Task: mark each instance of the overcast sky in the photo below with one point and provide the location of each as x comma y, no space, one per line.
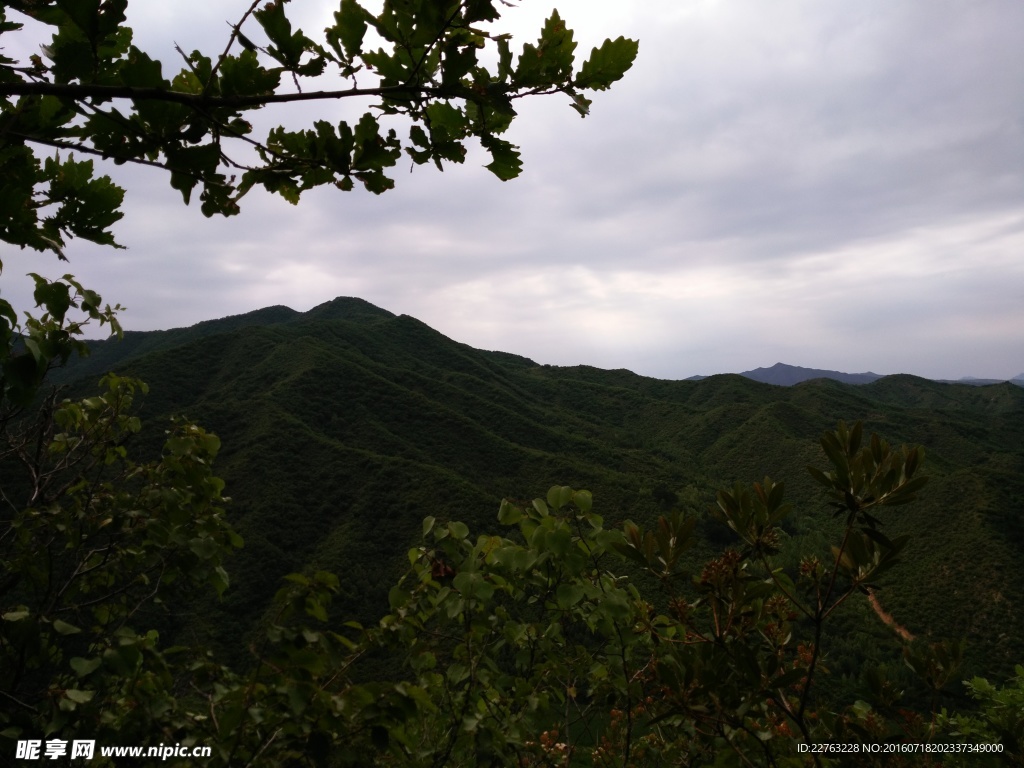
826,183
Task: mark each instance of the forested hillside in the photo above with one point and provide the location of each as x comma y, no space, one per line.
345,426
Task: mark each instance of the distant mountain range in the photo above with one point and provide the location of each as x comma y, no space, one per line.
140,342
785,375
137,343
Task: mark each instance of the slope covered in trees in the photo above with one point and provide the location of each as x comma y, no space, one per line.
344,426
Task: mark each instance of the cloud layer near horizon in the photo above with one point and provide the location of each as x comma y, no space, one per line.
830,184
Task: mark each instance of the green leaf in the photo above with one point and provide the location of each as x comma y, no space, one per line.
79,697
559,541
64,628
397,597
55,296
191,165
298,698
315,608
393,70
372,153
472,584
855,437
509,513
230,717
504,59
123,660
446,121
584,500
220,580
607,64
550,61
205,547
912,486
88,206
287,46
85,667
459,60
567,595
579,102
243,75
821,477
559,496
141,71
350,27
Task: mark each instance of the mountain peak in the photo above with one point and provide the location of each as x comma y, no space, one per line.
346,308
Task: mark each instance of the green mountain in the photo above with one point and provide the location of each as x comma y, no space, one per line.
344,426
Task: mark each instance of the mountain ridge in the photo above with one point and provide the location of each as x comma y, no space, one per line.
354,309
785,375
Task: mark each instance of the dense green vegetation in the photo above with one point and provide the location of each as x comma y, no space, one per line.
344,426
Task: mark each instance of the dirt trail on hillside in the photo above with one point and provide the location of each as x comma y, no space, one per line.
887,618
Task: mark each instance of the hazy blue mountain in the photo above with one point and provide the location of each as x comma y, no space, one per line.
787,375
971,380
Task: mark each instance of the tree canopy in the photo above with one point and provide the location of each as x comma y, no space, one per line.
558,641
433,74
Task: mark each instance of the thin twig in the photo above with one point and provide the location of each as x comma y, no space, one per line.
236,30
105,155
92,91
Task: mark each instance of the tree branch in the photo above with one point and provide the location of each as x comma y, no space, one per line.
69,145
79,92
